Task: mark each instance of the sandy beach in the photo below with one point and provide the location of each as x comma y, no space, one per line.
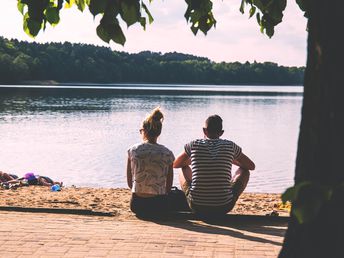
116,200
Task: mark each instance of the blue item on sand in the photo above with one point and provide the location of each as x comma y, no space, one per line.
55,188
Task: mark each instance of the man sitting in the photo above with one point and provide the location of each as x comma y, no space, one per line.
208,185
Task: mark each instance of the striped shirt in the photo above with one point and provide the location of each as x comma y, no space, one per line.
211,164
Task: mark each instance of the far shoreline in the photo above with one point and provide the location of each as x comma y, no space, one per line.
71,83
53,88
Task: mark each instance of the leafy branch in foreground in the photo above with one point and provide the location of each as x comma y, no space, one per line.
37,13
269,15
308,198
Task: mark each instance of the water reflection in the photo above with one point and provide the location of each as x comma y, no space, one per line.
82,139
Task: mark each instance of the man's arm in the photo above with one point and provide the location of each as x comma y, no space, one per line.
244,162
129,175
182,160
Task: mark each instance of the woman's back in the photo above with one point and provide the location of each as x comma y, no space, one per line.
150,163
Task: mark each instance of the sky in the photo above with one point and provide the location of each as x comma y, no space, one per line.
235,38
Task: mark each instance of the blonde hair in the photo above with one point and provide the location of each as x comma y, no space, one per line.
153,123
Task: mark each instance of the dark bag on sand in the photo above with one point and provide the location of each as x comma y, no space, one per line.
176,200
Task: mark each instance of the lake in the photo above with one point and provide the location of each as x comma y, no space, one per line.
79,134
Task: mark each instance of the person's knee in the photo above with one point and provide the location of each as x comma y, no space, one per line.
181,175
241,179
187,173
246,172
243,173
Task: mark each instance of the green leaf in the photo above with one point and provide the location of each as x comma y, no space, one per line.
309,202
261,4
195,16
31,27
109,29
36,10
292,192
69,3
97,6
25,28
252,11
143,22
269,30
289,195
302,4
200,15
276,11
24,1
20,7
242,6
150,17
258,18
60,4
205,23
307,199
103,33
118,35
130,12
52,15
341,186
194,29
81,4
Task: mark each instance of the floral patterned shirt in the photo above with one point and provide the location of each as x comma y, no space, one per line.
149,167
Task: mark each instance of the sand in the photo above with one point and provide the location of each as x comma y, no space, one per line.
116,200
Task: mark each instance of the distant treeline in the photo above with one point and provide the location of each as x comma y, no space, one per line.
65,62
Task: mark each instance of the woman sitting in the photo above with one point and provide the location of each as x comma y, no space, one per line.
149,169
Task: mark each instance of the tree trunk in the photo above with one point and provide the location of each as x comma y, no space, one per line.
321,139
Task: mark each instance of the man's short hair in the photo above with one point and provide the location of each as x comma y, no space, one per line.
213,124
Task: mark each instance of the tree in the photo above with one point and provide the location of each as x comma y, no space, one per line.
86,63
316,227
319,179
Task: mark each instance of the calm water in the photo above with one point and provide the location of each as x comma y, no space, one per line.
81,136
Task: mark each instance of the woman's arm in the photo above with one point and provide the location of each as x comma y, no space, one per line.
129,174
169,180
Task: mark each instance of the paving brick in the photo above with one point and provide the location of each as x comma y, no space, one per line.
58,235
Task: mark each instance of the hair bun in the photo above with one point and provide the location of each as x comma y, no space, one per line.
157,114
153,123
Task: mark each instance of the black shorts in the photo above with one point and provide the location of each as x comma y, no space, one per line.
212,210
149,206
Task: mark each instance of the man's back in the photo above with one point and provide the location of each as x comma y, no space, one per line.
208,184
211,164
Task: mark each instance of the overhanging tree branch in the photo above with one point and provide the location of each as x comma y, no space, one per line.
38,13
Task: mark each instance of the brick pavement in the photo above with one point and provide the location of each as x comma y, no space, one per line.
61,235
